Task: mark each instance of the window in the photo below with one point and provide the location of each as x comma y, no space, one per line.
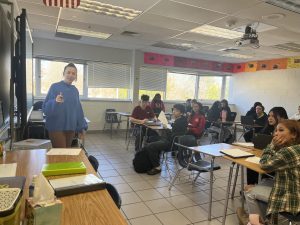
210,87
108,80
180,86
152,81
52,72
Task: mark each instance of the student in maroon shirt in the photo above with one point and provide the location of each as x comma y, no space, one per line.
140,115
157,104
196,121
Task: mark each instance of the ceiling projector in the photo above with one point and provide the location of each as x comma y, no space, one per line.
250,38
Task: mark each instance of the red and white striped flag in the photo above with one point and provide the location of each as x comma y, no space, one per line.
62,3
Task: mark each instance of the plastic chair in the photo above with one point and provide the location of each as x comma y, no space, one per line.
38,105
94,162
114,194
293,219
111,118
186,161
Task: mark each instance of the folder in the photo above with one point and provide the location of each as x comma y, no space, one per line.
63,168
76,184
236,153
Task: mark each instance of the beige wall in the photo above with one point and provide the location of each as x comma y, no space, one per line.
272,88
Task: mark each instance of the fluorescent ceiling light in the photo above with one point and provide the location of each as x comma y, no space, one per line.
87,33
234,55
108,9
291,5
217,32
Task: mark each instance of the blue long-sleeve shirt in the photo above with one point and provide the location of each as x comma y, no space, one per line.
65,116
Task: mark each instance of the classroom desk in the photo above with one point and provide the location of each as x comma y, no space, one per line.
236,124
213,151
127,115
91,208
243,163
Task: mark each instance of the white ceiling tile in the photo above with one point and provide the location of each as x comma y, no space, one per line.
231,22
289,22
184,12
92,18
223,6
133,4
166,22
38,9
41,19
86,26
149,29
199,37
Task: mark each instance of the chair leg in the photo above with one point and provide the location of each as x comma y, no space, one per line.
194,181
235,180
174,179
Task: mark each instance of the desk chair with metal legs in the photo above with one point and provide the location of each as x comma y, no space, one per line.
111,118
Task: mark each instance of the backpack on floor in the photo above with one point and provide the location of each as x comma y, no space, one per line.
141,162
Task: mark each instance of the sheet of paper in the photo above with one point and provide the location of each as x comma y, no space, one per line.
253,159
8,170
162,118
88,179
246,144
64,151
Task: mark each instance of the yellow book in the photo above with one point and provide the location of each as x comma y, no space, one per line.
63,168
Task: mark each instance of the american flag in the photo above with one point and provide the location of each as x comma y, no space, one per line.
62,3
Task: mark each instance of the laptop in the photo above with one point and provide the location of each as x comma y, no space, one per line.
261,141
247,120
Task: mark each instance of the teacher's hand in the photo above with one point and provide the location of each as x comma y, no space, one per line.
59,98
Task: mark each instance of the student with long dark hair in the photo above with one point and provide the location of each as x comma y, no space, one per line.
196,121
157,105
225,111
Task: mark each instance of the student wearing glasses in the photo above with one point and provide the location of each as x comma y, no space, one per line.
140,115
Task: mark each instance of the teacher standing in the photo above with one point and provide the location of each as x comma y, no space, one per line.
63,110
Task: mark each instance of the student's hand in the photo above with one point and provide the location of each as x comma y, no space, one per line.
278,141
59,98
144,121
81,135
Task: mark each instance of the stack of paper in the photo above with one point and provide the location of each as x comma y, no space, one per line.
244,144
253,159
76,184
8,170
64,151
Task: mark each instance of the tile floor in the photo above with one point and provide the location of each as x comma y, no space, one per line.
146,199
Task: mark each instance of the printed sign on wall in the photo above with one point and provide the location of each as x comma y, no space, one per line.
293,62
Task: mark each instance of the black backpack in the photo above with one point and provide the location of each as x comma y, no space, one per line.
141,162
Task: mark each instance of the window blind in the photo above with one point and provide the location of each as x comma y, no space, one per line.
153,79
108,75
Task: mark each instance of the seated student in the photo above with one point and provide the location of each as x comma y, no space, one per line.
179,127
252,111
213,113
276,115
225,111
260,118
196,121
297,115
157,105
140,115
188,105
282,156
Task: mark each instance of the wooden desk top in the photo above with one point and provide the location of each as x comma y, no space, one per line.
92,208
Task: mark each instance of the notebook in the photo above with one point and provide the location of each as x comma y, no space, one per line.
162,118
261,141
63,168
247,120
236,153
76,184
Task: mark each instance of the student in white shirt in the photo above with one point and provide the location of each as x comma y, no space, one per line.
297,115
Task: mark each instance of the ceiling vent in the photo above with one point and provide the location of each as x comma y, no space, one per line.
68,36
130,33
290,46
183,47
